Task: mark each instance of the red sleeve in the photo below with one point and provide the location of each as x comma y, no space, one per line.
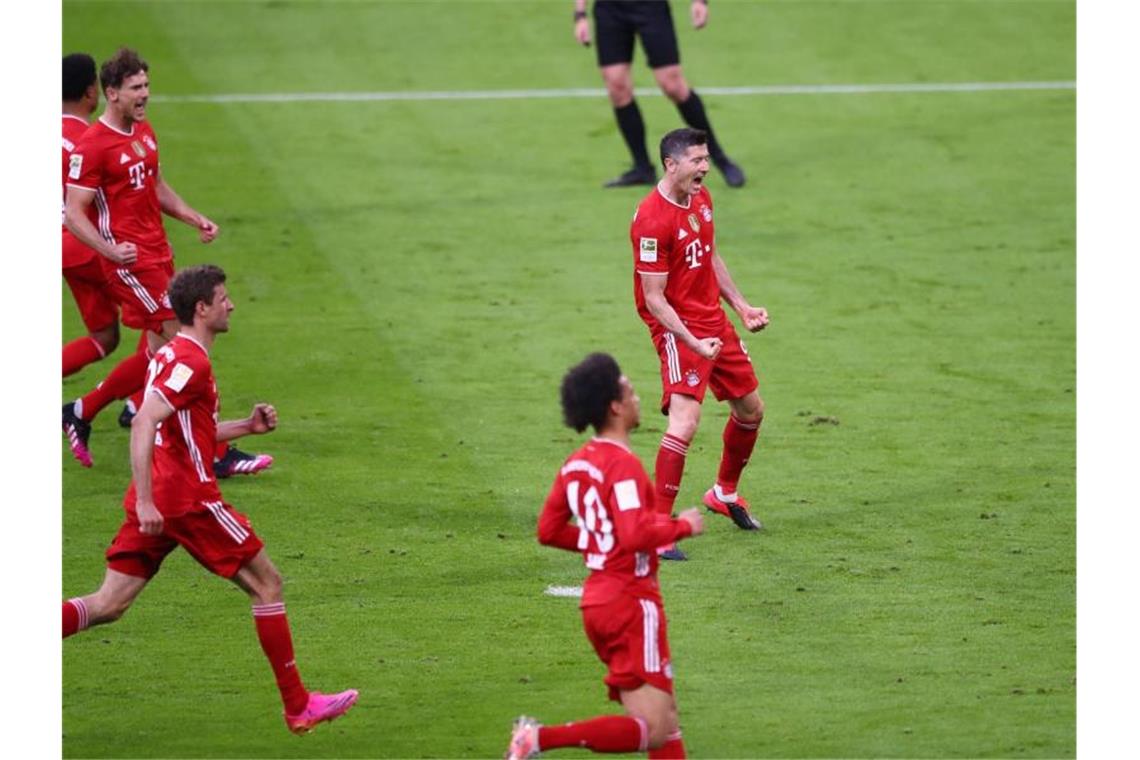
652,242
554,528
84,166
179,380
639,527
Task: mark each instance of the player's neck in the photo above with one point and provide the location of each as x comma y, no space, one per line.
615,434
117,121
673,193
200,334
78,109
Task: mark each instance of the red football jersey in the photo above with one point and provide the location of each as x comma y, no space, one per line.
678,241
182,474
73,128
604,487
122,169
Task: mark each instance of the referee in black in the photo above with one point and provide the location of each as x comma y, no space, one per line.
617,23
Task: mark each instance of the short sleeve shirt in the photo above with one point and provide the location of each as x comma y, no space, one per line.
678,242
122,169
182,474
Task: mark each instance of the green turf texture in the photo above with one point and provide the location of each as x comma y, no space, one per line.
413,278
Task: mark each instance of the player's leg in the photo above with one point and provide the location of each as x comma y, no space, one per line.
616,631
614,37
659,711
100,315
684,417
127,377
734,380
303,709
106,605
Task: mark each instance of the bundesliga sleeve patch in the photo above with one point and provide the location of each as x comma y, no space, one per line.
625,491
75,167
179,376
649,250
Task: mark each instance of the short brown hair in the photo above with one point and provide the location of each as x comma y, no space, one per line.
191,286
124,63
675,143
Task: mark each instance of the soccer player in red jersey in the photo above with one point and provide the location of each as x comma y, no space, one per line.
679,279
174,500
605,489
114,168
81,267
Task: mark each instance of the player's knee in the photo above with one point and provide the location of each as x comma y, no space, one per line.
107,338
269,588
659,726
621,95
675,88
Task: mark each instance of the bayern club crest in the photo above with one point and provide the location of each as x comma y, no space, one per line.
706,214
692,378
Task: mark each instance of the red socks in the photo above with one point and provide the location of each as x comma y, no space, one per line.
739,440
667,474
277,643
127,377
672,749
79,353
608,733
74,617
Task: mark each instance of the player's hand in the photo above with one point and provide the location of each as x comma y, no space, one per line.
150,519
582,31
207,230
755,318
708,347
124,253
262,419
699,12
693,517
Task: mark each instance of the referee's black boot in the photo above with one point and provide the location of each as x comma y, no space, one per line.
733,174
638,175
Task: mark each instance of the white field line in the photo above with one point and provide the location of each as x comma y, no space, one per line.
779,89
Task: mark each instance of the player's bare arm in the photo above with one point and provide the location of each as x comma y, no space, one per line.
755,318
173,205
75,217
153,411
653,287
699,13
262,420
581,23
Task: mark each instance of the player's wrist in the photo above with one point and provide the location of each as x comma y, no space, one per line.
580,16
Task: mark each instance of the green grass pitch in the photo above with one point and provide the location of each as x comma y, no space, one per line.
413,278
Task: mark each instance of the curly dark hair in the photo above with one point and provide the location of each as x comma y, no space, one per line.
78,75
191,286
124,63
587,390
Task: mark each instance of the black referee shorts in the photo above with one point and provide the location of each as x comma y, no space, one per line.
616,22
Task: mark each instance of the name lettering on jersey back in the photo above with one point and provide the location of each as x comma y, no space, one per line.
578,465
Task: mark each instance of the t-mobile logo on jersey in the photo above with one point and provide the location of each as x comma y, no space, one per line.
693,253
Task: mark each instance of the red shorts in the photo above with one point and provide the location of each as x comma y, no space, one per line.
218,536
684,371
141,291
93,295
629,636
